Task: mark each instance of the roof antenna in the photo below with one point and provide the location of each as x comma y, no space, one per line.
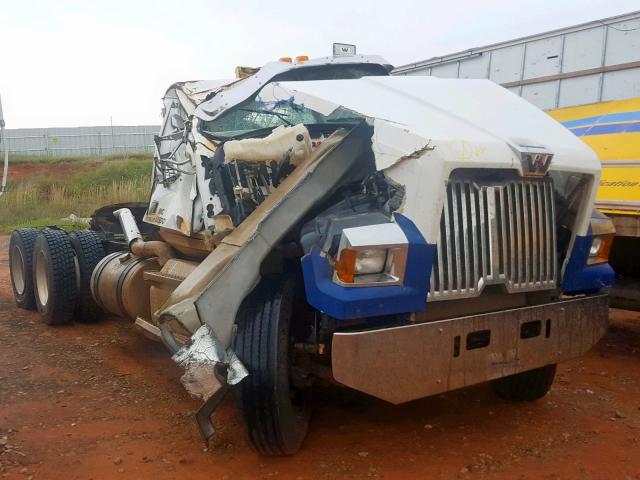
5,147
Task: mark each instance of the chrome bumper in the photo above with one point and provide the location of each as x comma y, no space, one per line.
400,364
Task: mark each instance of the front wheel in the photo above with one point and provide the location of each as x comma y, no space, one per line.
275,411
526,386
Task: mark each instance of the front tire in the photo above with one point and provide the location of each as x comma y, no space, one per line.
275,412
526,386
21,266
54,276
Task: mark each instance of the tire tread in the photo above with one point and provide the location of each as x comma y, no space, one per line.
27,238
257,345
62,277
89,251
526,386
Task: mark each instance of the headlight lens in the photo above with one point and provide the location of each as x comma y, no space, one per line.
596,244
371,255
603,231
370,260
600,249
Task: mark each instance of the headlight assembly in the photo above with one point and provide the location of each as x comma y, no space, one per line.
372,255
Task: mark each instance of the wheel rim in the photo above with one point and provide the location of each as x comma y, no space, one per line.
42,280
17,270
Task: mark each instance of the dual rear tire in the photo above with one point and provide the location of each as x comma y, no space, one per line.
54,276
51,272
88,251
21,265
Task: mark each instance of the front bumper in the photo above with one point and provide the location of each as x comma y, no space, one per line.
400,364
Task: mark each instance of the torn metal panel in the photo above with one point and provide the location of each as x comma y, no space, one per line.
214,291
192,93
199,360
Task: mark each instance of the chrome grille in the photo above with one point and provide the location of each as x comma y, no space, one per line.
495,234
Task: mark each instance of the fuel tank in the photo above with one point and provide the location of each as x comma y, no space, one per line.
118,286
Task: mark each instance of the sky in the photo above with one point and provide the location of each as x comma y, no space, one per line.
68,63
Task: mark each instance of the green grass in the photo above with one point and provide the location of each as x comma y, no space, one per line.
65,224
78,187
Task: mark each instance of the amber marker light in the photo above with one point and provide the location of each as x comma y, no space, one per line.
346,265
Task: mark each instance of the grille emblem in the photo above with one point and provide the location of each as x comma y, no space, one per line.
535,160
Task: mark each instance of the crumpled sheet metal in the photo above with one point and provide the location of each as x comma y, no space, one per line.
199,359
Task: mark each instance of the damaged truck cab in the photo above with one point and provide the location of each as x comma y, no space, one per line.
321,220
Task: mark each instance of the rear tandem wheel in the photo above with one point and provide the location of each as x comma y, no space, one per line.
54,276
21,267
88,250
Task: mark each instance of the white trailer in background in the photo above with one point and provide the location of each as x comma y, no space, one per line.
588,63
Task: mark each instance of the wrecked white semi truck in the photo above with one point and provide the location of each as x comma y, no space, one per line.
402,236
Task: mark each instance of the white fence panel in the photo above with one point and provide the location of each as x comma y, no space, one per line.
81,141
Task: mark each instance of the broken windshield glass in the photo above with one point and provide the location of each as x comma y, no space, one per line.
259,114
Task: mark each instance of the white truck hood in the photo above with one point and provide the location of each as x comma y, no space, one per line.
440,125
470,113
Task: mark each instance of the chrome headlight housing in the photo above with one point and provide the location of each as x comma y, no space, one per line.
603,232
372,255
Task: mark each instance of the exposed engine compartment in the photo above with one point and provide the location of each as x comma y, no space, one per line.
243,172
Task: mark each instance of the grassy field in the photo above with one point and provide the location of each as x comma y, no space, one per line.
44,192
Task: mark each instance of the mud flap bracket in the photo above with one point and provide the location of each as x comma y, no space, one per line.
210,372
203,416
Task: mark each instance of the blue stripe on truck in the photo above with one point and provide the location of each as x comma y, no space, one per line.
608,118
604,129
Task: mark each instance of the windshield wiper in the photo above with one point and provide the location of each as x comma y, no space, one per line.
281,116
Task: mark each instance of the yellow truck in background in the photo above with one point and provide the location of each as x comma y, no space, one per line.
612,130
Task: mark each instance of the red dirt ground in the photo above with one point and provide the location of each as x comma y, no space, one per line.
21,171
100,401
